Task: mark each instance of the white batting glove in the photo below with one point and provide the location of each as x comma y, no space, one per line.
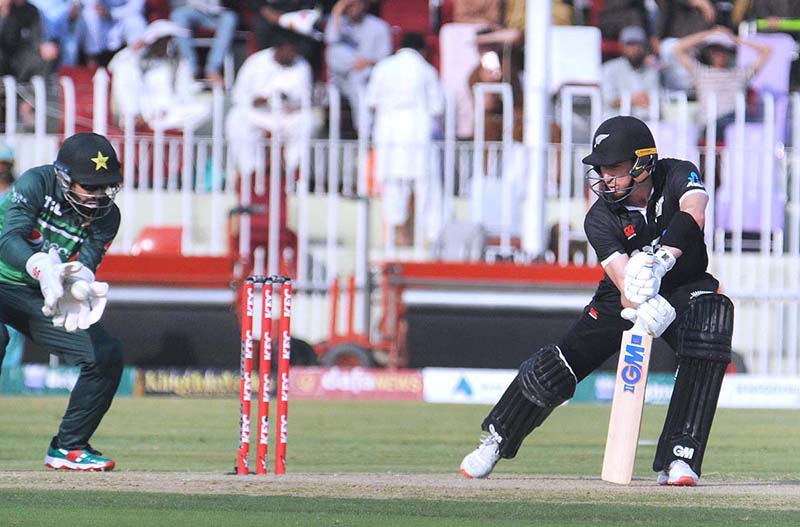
643,274
81,306
51,274
655,315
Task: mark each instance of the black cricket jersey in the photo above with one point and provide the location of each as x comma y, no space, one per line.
613,229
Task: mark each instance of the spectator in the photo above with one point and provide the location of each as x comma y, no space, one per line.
618,14
718,73
152,83
678,20
772,10
497,64
206,14
23,53
272,76
64,27
356,41
563,13
110,24
404,90
268,26
16,342
630,74
478,12
6,169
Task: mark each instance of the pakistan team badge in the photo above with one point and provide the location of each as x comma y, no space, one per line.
100,161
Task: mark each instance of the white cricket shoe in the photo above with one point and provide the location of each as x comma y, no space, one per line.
480,462
679,475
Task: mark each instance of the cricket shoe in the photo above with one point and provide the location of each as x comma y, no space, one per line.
679,475
480,462
87,459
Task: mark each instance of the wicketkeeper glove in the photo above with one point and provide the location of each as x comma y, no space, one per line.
654,315
51,272
82,305
643,274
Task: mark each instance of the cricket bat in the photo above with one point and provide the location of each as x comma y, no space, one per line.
627,406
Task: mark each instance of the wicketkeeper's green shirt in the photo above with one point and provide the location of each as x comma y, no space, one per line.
35,217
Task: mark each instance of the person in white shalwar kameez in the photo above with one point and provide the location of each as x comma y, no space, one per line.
273,72
355,41
405,93
150,82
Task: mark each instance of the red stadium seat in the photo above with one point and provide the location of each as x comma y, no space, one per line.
156,9
446,13
158,240
609,48
410,15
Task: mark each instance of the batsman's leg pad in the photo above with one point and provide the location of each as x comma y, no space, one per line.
546,379
513,418
704,351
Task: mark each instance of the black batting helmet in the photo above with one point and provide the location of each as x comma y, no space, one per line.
618,139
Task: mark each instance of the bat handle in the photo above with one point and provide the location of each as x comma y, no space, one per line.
639,328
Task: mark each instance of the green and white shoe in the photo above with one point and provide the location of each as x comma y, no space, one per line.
87,459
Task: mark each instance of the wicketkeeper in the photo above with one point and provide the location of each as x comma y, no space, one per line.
57,222
646,205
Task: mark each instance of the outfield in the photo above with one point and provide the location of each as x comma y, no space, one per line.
383,464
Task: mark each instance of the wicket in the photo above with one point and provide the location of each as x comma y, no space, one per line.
264,365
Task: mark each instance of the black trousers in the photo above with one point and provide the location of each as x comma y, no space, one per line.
597,333
97,353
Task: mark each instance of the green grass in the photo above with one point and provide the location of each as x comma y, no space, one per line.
748,449
130,509
172,434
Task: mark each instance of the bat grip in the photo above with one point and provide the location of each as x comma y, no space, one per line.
639,328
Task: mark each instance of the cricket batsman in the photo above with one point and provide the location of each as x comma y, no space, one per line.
647,231
57,223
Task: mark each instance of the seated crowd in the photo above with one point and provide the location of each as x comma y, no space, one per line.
665,45
164,55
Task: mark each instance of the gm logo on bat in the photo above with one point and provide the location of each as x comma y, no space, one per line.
631,374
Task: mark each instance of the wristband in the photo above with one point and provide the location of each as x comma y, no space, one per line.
682,232
666,258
